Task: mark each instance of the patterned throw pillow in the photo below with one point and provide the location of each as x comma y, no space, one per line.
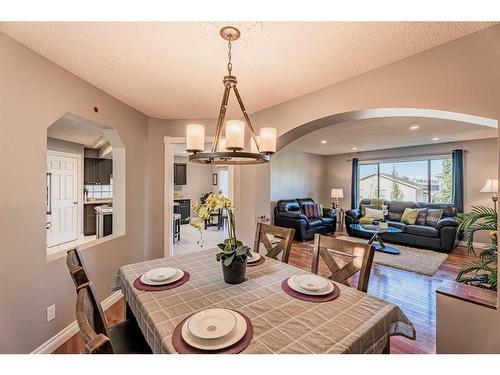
409,216
422,215
320,210
310,210
433,216
374,214
365,206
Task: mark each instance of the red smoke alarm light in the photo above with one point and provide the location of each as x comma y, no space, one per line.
96,109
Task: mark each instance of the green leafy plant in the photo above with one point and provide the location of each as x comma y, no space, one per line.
483,272
232,249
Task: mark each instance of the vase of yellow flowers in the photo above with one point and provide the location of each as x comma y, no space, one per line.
234,254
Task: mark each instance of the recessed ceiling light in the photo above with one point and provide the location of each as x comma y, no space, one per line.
354,148
323,141
435,138
414,127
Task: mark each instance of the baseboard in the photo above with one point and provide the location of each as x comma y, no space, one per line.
64,335
476,245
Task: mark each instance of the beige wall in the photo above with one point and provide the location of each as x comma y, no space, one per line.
298,175
34,94
480,163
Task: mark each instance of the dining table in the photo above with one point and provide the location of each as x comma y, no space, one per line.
355,322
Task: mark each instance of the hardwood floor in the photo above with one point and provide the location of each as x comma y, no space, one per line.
413,293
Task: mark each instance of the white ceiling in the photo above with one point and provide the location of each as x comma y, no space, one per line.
389,132
175,69
71,131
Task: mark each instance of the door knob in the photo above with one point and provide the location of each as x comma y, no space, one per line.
75,202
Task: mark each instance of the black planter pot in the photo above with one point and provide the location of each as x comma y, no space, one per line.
235,273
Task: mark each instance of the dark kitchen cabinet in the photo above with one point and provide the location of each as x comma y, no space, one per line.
184,209
89,219
97,171
180,174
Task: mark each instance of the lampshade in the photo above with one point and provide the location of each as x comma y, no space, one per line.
221,147
337,193
235,135
491,186
195,138
253,146
267,140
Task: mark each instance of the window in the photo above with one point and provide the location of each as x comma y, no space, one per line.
426,180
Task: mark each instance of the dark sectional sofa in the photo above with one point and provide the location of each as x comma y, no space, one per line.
288,214
443,237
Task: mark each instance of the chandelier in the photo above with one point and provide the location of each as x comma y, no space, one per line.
230,150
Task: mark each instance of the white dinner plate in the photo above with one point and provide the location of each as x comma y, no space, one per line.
179,275
255,257
222,342
211,323
311,282
321,292
161,274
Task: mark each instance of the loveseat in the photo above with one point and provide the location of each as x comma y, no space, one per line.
441,235
288,213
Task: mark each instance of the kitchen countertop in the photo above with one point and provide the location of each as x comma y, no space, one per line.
99,201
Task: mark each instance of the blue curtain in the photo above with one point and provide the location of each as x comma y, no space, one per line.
458,179
354,184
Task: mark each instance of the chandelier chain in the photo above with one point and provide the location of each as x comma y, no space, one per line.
229,64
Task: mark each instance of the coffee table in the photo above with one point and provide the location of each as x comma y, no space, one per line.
380,245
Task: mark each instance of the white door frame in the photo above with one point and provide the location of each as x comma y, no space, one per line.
79,183
168,191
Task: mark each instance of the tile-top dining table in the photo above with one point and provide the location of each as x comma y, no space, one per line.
355,322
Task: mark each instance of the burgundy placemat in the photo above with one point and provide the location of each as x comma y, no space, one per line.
182,347
305,297
138,284
257,263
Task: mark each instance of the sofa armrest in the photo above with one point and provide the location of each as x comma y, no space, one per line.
294,215
355,214
447,222
329,212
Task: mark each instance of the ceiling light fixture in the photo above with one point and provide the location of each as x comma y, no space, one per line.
354,148
414,127
323,141
230,150
435,139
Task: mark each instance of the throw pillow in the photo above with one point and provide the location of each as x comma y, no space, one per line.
366,220
374,214
409,216
320,210
433,216
310,210
377,202
365,206
422,215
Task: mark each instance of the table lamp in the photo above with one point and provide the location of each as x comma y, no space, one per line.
336,194
491,186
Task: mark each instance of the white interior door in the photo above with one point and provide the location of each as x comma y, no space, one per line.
62,213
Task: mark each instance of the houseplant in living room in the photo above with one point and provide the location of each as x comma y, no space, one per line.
481,273
234,254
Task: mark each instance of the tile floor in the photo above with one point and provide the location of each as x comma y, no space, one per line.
190,236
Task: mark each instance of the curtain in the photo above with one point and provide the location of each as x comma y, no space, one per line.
458,179
354,184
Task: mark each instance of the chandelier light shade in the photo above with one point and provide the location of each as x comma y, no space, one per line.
230,150
195,138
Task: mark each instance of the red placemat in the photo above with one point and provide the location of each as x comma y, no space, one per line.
306,297
257,263
182,347
138,284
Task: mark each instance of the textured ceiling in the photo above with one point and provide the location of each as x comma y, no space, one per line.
175,69
341,138
71,131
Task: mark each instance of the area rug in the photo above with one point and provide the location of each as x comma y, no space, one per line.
425,262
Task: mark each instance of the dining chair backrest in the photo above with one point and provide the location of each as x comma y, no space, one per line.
93,309
362,258
95,342
284,235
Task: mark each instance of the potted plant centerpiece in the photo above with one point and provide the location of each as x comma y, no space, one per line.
234,254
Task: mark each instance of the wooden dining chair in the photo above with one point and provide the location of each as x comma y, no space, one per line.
362,258
122,338
285,236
